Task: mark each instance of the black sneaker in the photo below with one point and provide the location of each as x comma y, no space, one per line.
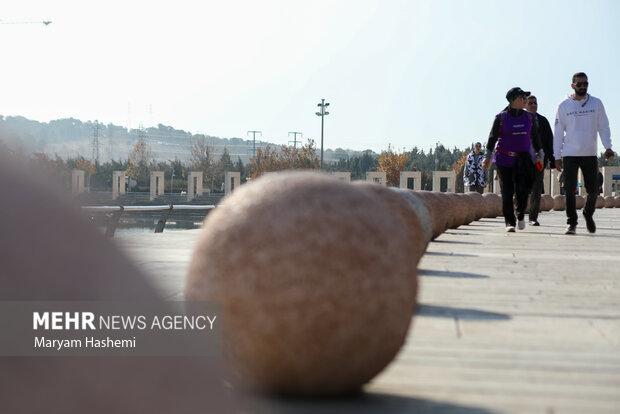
571,229
534,223
591,226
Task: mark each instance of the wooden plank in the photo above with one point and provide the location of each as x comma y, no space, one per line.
527,322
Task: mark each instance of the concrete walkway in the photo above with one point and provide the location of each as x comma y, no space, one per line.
525,322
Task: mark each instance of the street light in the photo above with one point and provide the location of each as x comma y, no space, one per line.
322,114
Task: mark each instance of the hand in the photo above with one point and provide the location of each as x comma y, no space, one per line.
485,163
558,165
609,154
540,164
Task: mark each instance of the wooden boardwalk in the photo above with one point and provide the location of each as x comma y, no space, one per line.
527,322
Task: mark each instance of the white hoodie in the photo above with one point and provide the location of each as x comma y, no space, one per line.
576,125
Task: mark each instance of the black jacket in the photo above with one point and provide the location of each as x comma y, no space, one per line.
546,139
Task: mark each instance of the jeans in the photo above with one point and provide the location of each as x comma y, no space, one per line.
506,177
589,169
537,189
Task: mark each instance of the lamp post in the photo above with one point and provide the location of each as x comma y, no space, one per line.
322,114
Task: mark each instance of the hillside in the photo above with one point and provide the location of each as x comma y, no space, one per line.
71,137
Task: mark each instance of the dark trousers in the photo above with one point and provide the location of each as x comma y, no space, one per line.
537,189
589,169
476,188
506,177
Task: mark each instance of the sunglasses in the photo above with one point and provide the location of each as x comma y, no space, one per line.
581,84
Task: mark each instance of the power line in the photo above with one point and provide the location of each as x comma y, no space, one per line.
294,141
254,141
95,156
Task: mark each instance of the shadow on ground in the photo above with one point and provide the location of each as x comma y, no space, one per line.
461,313
454,241
447,273
450,254
359,403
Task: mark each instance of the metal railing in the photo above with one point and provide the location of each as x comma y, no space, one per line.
117,211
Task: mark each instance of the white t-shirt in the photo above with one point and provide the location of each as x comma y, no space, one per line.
576,126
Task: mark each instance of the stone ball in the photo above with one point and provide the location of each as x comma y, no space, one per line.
494,205
617,198
458,207
51,252
559,202
610,202
600,202
317,281
546,202
437,209
471,208
580,202
409,208
480,205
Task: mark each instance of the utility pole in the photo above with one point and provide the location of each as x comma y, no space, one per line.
294,141
322,114
141,134
95,156
254,141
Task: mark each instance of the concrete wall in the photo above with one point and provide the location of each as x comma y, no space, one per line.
608,173
342,175
450,175
118,184
417,179
194,185
157,184
77,181
232,180
378,177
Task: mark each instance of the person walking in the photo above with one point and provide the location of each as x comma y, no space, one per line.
474,175
579,118
512,134
546,140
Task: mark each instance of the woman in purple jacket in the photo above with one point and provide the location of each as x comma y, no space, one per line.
512,132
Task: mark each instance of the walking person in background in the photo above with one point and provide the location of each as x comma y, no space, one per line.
579,118
546,140
514,131
474,175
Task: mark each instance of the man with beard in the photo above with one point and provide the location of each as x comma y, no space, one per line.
579,118
546,139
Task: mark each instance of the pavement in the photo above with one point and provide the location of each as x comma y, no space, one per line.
525,322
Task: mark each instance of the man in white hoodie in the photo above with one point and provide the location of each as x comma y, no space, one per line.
580,117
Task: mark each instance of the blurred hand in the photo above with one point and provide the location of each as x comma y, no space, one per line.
540,164
558,165
609,154
485,163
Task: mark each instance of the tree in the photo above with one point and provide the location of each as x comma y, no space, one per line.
240,168
289,158
223,165
266,160
202,154
139,163
392,164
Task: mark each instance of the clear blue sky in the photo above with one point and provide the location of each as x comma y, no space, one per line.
401,72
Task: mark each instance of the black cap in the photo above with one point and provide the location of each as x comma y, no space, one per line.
515,92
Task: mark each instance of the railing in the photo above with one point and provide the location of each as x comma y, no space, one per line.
117,212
